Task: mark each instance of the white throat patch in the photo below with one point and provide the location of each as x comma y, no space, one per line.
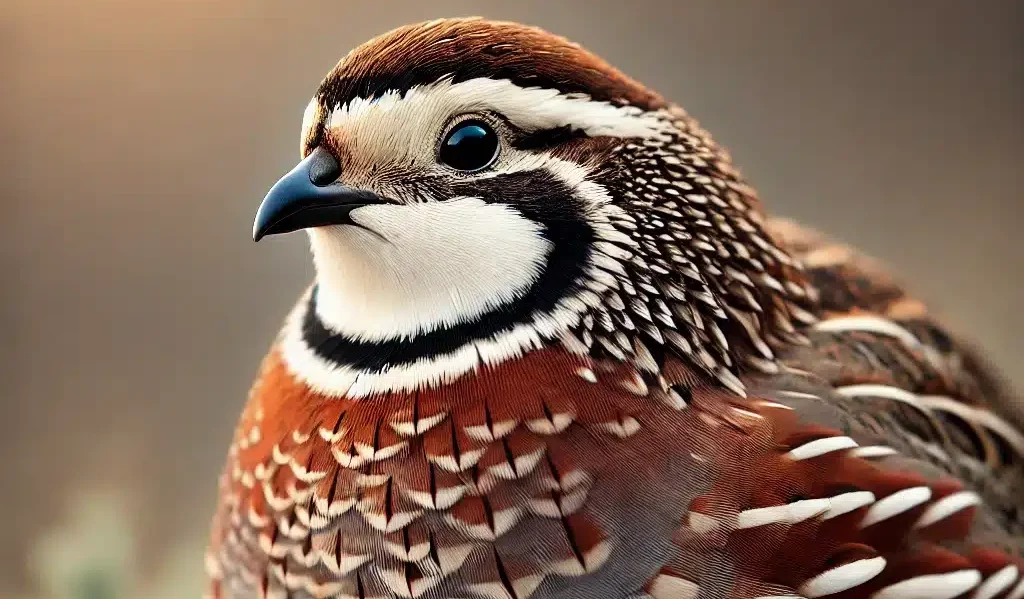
428,266
430,263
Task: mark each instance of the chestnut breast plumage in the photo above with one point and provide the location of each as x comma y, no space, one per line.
556,348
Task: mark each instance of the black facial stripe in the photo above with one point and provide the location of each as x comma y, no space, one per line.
537,196
547,138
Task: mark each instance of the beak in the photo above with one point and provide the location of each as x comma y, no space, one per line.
308,196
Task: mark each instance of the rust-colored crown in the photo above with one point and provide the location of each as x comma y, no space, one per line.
469,48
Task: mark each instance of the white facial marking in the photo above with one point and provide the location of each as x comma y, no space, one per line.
404,132
429,262
433,265
308,116
528,108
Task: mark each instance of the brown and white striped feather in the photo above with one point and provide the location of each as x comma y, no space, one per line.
878,462
872,455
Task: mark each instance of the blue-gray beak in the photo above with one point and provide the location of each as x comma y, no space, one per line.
309,196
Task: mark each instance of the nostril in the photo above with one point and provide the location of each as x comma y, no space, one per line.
323,168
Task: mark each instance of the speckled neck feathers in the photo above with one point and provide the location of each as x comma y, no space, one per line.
656,248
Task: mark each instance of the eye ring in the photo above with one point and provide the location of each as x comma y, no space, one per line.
470,146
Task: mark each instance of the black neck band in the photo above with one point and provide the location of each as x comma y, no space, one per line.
540,198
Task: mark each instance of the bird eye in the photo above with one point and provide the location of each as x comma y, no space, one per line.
470,146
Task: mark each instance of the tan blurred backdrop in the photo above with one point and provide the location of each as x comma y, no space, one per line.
139,137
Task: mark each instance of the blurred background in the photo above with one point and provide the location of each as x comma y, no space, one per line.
139,137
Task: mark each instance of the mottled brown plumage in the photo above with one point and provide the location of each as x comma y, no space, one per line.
713,404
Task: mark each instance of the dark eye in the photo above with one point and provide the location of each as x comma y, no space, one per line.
470,146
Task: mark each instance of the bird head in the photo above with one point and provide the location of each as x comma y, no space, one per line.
474,190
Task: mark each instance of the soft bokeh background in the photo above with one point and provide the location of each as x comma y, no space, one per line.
139,137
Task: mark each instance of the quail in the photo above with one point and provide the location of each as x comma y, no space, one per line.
556,348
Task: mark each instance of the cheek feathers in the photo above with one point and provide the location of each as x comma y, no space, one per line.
434,288
433,265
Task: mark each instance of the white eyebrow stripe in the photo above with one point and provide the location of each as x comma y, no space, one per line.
531,108
308,117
